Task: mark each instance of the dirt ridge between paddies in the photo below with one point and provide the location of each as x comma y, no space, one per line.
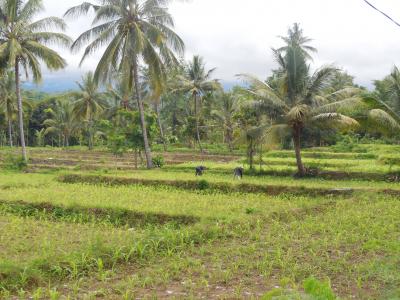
116,217
203,185
329,175
224,187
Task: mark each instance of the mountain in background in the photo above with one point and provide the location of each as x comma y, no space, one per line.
54,84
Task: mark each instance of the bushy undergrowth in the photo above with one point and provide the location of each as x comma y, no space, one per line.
158,161
14,162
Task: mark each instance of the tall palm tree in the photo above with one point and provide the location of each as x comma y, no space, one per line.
299,98
23,43
394,88
135,32
197,81
227,106
296,38
62,122
296,93
8,100
89,104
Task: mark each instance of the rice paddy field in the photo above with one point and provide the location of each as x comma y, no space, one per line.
88,225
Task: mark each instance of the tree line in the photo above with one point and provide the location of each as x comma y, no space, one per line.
143,92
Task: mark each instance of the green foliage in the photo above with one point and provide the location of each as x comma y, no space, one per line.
158,161
318,290
203,185
390,160
250,210
116,140
314,290
348,143
14,162
124,131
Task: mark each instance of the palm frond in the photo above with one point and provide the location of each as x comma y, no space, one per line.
80,10
380,120
335,120
48,23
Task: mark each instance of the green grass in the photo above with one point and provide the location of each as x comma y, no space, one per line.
171,174
86,241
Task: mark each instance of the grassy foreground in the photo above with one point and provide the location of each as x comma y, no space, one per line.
85,241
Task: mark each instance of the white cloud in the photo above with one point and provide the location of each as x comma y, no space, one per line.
236,36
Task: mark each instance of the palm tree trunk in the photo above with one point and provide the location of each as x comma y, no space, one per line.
147,149
157,109
250,154
197,121
229,136
297,149
10,136
90,137
20,112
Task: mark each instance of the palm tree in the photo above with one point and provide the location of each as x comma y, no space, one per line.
23,44
135,31
227,106
197,81
63,122
296,94
154,91
121,95
394,88
296,39
88,105
8,100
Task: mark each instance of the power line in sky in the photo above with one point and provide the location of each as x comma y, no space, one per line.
386,15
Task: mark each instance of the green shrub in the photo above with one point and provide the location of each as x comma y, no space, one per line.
348,144
314,290
250,210
203,185
318,290
389,160
14,162
158,161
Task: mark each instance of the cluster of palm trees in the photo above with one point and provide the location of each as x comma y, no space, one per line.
133,32
295,98
141,65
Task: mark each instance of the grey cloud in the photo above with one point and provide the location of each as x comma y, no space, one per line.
236,36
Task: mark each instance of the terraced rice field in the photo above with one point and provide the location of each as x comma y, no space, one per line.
87,225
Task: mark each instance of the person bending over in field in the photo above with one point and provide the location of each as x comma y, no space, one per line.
238,173
200,170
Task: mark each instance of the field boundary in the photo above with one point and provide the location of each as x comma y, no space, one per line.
202,185
80,214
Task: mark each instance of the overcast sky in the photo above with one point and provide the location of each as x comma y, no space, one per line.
236,36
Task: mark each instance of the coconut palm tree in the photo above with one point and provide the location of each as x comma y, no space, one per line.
227,106
393,88
196,81
23,43
89,104
296,93
8,100
134,32
62,122
299,98
296,38
121,95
